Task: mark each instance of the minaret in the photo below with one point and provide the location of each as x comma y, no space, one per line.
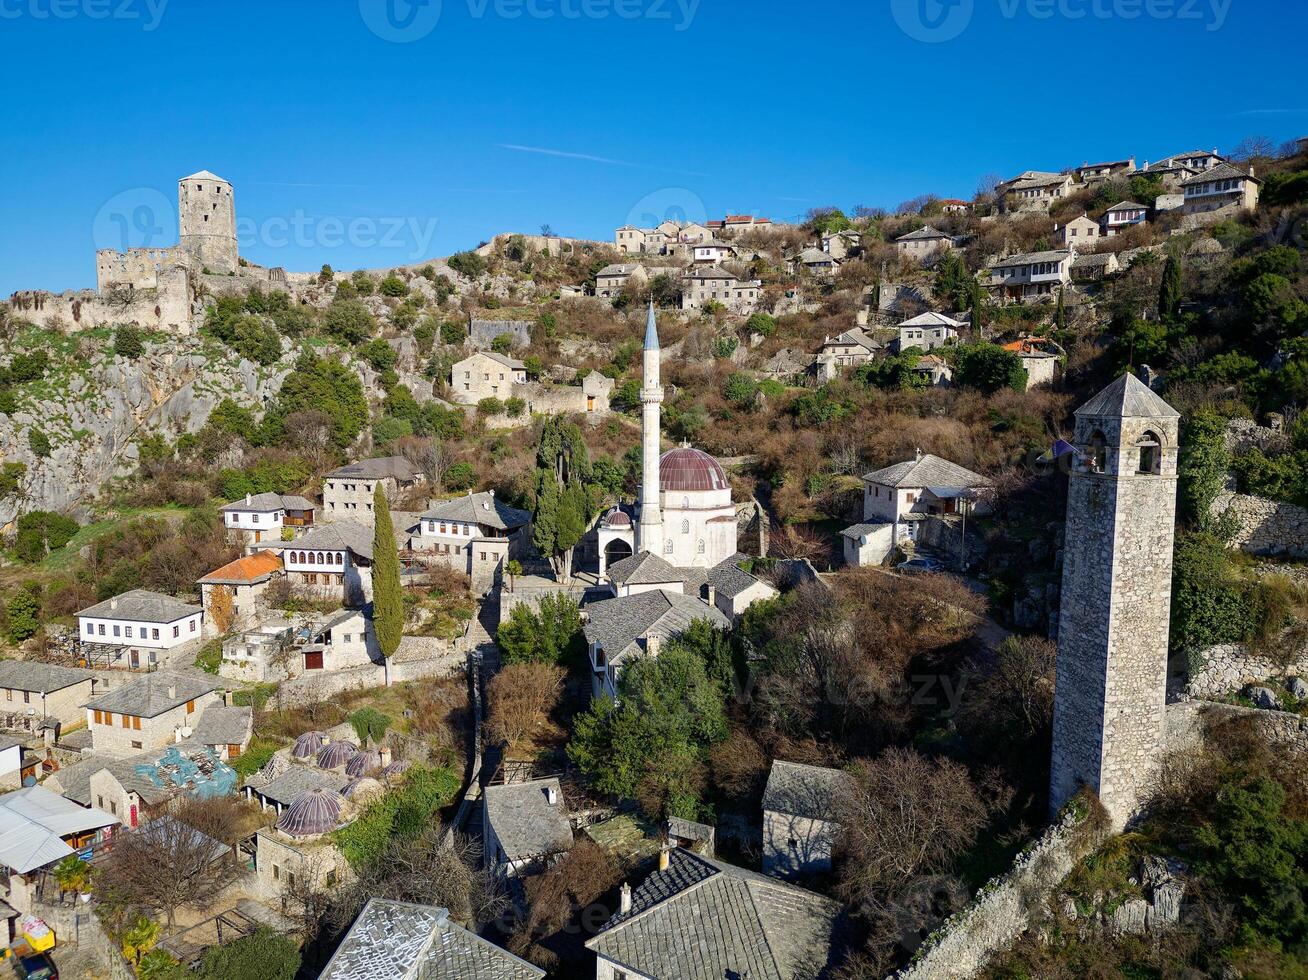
1111,687
650,531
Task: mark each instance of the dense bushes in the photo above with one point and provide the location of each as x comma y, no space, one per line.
41,532
401,813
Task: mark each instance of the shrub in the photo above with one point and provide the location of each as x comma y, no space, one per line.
393,286
547,634
24,613
39,443
363,283
41,532
255,341
128,342
761,324
490,406
460,476
348,321
28,367
379,354
390,429
262,955
369,723
468,264
514,407
401,813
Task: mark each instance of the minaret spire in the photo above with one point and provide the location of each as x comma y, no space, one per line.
650,531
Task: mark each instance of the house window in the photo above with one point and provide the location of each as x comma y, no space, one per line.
136,722
667,547
136,744
99,717
190,707
177,631
126,721
128,631
700,547
27,697
90,629
277,872
192,627
100,629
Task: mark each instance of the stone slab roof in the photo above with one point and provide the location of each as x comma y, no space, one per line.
705,920
337,536
645,568
298,779
1126,206
857,531
924,233
1036,178
479,508
932,319
141,606
1223,171
29,675
268,502
153,694
1031,258
1128,397
617,624
403,941
525,823
221,724
926,471
802,791
378,468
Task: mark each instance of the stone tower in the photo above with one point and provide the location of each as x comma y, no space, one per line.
649,535
207,220
1117,588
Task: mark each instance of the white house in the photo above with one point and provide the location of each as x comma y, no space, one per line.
263,515
1033,190
1224,188
816,261
1095,173
928,331
333,560
851,349
473,534
140,620
1123,215
711,253
1031,275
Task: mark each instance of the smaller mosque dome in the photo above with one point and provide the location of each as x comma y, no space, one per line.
364,762
308,744
617,518
316,811
333,755
687,470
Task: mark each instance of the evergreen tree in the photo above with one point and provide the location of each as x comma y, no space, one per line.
978,310
1060,313
1169,293
387,601
563,505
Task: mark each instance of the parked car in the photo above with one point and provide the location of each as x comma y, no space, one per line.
36,966
920,565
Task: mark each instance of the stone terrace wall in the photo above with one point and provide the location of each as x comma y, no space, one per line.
1002,909
1187,722
1264,527
1226,668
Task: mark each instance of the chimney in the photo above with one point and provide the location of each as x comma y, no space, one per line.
624,899
227,698
113,603
652,645
1251,170
172,689
919,453
552,795
249,498
665,856
384,754
712,597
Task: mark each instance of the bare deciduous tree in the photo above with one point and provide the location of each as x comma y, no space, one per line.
520,699
566,893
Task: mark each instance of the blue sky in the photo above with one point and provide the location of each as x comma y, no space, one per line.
350,147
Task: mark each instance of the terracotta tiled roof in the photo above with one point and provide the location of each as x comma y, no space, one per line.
250,569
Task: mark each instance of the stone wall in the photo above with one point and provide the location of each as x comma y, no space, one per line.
1003,908
167,307
1226,668
1264,527
482,333
416,658
1189,721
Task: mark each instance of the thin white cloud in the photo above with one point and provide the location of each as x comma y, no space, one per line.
544,151
1272,112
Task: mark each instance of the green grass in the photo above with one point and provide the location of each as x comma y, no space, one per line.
61,559
210,656
255,697
256,756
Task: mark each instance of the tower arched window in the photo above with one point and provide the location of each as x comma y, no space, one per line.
667,547
1151,453
1096,453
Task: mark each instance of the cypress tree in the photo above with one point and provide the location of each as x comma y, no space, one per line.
387,602
1169,293
1060,314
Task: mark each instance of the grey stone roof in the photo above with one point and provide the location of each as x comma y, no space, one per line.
1127,205
618,269
1128,397
508,362
1223,171
29,675
402,941
396,467
220,724
1030,258
1166,164
815,256
479,508
524,822
857,337
284,789
645,568
925,232
928,471
1091,259
336,536
857,531
149,696
729,579
617,624
267,502
705,920
142,606
802,791
1032,179
931,319
710,272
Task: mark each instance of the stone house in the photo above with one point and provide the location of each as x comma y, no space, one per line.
697,918
842,244
867,543
1170,171
928,331
629,239
474,534
1097,173
799,825
737,223
343,640
610,279
148,713
851,349
333,561
906,492
139,623
526,826
242,582
1031,275
1078,234
935,370
1223,190
923,243
1042,365
403,941
815,261
486,375
46,692
347,492
954,205
1033,190
259,654
1123,215
266,515
1093,266
702,285
297,853
1199,160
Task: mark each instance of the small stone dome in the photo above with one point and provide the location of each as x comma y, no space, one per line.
333,755
617,518
363,762
362,789
308,744
395,768
317,811
687,470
